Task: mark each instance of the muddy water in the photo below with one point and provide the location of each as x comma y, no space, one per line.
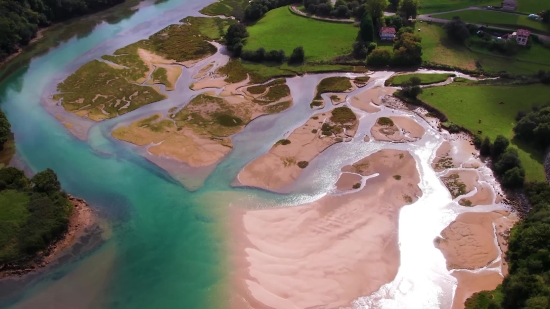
168,243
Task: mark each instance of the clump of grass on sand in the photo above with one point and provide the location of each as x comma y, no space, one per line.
425,79
226,8
385,121
455,185
333,84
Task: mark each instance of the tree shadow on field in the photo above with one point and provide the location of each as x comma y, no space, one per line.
534,153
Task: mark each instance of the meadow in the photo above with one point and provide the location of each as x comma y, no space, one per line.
322,41
466,105
512,21
437,48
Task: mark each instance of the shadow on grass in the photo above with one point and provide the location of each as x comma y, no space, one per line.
534,172
534,153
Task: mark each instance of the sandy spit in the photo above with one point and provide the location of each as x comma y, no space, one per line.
329,252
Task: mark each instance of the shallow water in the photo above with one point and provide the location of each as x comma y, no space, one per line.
168,244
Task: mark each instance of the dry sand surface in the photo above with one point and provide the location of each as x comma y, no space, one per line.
152,61
337,99
364,99
327,253
279,167
484,196
469,243
347,181
405,129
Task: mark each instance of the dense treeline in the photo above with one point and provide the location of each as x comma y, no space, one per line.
256,9
528,282
506,162
34,212
534,128
20,19
407,50
5,127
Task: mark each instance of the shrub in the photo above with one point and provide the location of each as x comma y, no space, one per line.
283,142
520,115
499,146
303,164
397,177
513,178
297,56
477,141
315,104
314,131
357,186
228,120
507,161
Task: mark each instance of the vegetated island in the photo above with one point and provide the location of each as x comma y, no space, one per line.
119,83
37,220
353,234
397,129
285,161
199,133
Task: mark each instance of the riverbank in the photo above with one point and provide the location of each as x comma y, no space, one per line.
81,220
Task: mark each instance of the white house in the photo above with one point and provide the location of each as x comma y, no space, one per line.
387,33
522,36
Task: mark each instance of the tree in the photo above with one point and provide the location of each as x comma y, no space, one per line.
379,57
298,55
415,81
499,146
545,16
407,49
235,35
5,131
46,182
411,91
457,30
359,50
408,8
367,28
513,178
485,149
376,8
394,21
507,161
394,4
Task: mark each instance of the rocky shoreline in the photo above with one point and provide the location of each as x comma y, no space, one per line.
80,221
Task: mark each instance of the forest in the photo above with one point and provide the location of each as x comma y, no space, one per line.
21,19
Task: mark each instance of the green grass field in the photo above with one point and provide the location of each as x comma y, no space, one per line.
502,19
425,79
465,105
322,41
432,6
13,206
226,8
437,48
532,6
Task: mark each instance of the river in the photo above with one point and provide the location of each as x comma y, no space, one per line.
168,246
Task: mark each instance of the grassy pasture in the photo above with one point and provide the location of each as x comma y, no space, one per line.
425,79
502,19
322,41
226,8
437,48
432,6
465,105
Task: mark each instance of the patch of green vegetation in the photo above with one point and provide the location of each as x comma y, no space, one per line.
332,84
283,142
33,212
303,164
437,48
466,105
280,29
425,79
362,79
356,186
385,121
314,131
408,199
288,161
278,107
214,28
503,19
258,89
228,120
444,163
234,71
483,299
455,186
460,80
465,202
226,8
8,150
160,76
316,104
343,115
397,177
277,92
13,206
98,91
431,6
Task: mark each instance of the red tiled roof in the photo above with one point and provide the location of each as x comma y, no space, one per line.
523,32
387,30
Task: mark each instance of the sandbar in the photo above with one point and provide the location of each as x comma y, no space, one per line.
347,181
280,166
374,95
404,129
327,253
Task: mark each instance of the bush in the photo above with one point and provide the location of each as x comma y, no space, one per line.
234,37
379,57
507,161
485,148
357,186
298,55
283,142
5,129
499,146
314,131
397,177
513,178
477,141
303,164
